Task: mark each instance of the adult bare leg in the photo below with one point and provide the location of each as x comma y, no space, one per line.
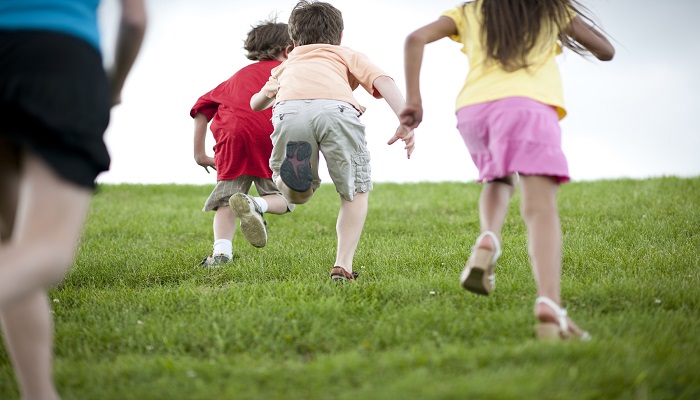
49,219
28,330
9,187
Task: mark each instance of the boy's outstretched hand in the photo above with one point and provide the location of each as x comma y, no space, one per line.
407,136
206,162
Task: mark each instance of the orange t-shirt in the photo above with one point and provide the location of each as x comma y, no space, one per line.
324,71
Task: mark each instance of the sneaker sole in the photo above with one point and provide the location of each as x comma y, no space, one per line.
252,224
295,170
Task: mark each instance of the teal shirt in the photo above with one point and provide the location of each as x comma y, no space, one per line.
74,17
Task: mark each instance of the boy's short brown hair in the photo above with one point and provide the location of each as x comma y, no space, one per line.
267,40
313,22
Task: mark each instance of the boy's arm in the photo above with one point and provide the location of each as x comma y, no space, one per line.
392,95
266,96
200,134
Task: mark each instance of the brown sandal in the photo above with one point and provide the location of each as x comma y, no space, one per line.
341,274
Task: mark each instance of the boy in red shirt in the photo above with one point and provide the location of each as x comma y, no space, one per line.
243,145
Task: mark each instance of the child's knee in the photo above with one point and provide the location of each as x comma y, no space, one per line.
298,197
508,180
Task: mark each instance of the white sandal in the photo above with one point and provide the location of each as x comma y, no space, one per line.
560,330
478,276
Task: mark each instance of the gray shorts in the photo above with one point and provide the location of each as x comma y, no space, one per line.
225,189
334,128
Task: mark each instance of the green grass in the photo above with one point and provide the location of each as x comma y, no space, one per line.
136,318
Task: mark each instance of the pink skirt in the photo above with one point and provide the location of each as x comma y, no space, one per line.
510,135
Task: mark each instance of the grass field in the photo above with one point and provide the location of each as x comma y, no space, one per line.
136,318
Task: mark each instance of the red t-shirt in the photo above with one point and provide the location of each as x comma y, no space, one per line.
242,136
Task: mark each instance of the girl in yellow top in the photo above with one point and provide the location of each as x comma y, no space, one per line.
508,114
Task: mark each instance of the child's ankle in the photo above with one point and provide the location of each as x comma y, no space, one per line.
486,243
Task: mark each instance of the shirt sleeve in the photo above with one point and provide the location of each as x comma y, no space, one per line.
205,105
209,103
456,14
363,72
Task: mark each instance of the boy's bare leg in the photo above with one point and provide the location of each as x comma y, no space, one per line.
49,219
276,204
293,196
224,223
351,220
224,226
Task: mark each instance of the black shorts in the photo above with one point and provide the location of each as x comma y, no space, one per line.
54,101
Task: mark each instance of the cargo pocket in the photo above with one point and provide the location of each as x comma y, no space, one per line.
363,172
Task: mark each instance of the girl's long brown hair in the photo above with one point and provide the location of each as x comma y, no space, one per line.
511,28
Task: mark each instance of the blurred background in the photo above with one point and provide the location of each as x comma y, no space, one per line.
633,117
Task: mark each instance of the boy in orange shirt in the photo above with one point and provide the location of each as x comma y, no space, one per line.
314,110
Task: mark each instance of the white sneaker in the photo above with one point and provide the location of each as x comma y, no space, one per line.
215,260
253,225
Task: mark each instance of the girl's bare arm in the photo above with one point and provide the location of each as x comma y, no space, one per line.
590,38
412,114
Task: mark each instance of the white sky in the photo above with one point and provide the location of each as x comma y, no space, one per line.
632,117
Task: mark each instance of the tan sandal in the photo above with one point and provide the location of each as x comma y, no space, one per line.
478,276
560,330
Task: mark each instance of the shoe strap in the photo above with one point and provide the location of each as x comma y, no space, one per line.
348,275
560,312
497,245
